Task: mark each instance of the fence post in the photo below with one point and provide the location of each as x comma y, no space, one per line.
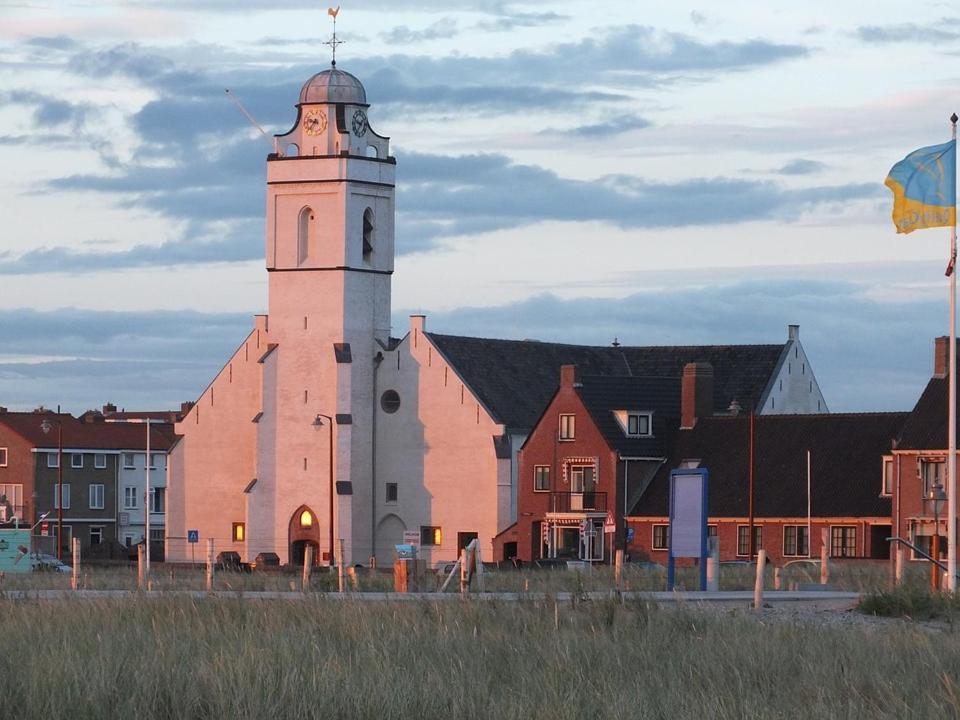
713,564
898,566
824,557
75,579
209,565
478,562
778,578
618,571
307,567
340,569
141,581
758,586
464,572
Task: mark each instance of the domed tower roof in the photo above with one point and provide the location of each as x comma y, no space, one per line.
333,86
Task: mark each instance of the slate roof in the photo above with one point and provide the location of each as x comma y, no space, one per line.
846,458
93,435
515,379
603,395
926,428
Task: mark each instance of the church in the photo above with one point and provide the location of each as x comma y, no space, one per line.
322,427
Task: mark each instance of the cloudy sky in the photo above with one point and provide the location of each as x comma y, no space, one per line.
575,171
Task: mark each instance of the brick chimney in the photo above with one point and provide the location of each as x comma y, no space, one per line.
696,393
109,408
941,356
568,376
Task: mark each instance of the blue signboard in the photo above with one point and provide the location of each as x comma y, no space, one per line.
15,550
193,536
630,533
687,537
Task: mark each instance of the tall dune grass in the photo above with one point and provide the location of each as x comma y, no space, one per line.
166,657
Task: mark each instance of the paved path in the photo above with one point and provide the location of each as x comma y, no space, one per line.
739,598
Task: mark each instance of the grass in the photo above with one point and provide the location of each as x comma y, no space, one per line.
852,576
164,657
912,601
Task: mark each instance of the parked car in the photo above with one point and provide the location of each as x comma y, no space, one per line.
42,562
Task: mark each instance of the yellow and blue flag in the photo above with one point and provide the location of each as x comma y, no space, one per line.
924,188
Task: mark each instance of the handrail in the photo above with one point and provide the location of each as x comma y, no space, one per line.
920,552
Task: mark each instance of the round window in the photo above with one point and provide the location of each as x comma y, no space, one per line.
390,401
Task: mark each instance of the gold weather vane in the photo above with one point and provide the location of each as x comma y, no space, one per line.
333,42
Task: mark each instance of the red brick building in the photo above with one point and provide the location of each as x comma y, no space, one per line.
918,462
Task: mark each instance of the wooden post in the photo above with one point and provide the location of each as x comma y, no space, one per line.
210,565
778,578
400,576
341,580
352,577
307,567
75,578
824,556
898,566
141,580
934,569
618,571
464,572
758,586
478,562
713,564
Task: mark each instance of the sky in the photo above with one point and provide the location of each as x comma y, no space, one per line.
703,173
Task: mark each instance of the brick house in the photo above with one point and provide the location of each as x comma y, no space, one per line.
918,461
845,460
92,454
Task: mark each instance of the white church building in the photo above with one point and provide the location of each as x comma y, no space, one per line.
322,427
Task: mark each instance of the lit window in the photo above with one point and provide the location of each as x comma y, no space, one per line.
239,531
306,519
541,478
568,427
430,535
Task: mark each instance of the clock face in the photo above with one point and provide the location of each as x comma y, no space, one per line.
359,123
315,122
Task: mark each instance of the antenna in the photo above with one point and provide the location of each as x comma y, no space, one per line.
248,116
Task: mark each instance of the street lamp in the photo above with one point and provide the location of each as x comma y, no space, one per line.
317,423
937,496
47,426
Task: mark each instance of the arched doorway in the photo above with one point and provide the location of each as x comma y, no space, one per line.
304,533
389,533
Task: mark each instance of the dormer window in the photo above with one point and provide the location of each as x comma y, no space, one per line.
635,423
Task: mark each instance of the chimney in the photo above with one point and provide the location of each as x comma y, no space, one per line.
568,376
109,408
793,332
2,410
941,356
696,393
185,407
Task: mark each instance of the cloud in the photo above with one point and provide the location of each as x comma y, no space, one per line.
618,125
442,29
906,32
54,42
111,354
855,344
511,19
801,166
47,111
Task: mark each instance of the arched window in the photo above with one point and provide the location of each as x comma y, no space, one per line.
304,230
372,151
306,519
292,150
367,235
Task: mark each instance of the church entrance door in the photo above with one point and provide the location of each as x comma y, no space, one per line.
304,533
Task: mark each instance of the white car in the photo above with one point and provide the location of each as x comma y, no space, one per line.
43,562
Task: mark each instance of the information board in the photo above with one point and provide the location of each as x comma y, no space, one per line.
687,536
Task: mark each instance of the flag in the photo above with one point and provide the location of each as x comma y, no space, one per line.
924,188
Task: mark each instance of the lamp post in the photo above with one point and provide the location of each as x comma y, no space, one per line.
47,426
937,496
317,423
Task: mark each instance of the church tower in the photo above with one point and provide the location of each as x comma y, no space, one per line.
329,255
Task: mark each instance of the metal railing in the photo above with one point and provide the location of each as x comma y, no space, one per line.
574,502
920,552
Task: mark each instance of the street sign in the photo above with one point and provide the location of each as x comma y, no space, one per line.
411,537
609,525
45,529
193,536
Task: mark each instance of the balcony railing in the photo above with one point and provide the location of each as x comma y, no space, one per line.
575,502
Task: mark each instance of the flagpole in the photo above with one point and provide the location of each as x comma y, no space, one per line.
952,409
